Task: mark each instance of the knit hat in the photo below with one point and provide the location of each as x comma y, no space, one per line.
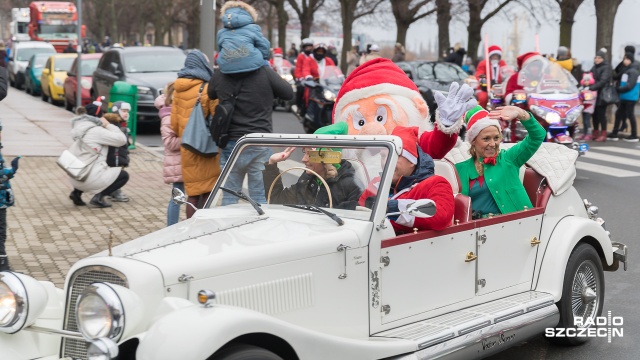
629,55
602,53
374,48
477,119
375,77
495,50
120,105
409,137
277,52
95,108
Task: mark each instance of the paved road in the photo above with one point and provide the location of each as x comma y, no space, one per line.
608,176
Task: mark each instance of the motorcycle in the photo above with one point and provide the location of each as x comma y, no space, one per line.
551,95
286,75
320,98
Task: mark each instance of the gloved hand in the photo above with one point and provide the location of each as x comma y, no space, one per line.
14,164
456,104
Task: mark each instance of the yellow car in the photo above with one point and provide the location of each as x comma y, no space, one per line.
53,76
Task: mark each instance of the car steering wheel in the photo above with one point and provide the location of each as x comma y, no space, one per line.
326,186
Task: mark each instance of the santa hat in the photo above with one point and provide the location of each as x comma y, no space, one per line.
495,50
375,77
95,108
477,119
409,136
277,52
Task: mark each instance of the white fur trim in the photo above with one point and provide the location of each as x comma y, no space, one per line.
409,156
495,52
241,4
379,89
480,125
453,129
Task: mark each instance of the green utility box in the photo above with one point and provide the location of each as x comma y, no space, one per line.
122,91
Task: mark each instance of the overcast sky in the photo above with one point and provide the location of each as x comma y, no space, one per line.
500,28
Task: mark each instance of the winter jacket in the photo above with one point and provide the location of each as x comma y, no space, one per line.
523,60
241,45
300,60
254,104
312,68
4,82
345,188
602,76
503,178
481,69
368,57
99,138
172,170
6,193
456,57
198,172
118,155
629,87
422,184
397,57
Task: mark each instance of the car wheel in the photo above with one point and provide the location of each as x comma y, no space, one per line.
12,81
244,352
27,88
67,104
45,98
582,291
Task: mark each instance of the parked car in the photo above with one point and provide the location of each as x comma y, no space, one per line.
433,75
88,66
21,53
54,75
149,68
292,280
33,73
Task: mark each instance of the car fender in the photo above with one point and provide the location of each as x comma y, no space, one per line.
197,332
567,233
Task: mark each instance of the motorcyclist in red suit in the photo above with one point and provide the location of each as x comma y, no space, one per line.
495,67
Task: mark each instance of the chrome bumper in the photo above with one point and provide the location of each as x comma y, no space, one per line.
619,254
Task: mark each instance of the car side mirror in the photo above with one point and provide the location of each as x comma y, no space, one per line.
421,208
115,68
45,71
180,198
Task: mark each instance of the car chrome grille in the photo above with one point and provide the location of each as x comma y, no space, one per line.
77,349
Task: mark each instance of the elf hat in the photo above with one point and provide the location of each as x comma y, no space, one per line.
477,119
495,50
277,52
95,108
374,77
409,136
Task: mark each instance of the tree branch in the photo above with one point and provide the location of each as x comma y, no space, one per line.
424,15
495,11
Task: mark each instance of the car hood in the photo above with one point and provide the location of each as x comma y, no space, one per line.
156,80
235,238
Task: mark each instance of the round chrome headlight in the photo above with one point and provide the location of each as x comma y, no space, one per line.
100,312
329,95
86,84
22,300
58,82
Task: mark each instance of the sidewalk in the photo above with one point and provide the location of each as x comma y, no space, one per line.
46,233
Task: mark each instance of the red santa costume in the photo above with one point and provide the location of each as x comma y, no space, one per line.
421,184
278,63
496,73
314,67
523,60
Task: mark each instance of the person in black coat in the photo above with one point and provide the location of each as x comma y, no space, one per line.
456,57
602,75
4,81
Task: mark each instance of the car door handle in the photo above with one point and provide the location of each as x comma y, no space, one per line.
535,241
470,257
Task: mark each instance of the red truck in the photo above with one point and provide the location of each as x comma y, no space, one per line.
55,22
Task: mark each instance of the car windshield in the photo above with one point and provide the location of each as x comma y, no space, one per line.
449,72
25,54
63,31
39,61
148,61
89,66
346,169
545,77
63,63
425,71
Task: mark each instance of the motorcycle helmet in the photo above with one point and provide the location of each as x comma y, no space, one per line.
306,41
319,51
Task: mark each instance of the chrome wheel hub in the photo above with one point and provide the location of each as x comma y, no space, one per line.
584,291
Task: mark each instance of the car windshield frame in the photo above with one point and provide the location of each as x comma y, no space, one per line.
152,59
346,143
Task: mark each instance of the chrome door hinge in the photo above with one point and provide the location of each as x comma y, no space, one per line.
386,309
384,261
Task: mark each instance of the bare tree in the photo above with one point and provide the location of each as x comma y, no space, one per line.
351,10
305,12
406,14
568,9
443,18
476,21
605,15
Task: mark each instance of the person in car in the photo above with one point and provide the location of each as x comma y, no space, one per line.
491,176
309,190
413,179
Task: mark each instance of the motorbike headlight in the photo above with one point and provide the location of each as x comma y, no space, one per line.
538,111
58,82
573,115
22,300
107,310
552,117
588,96
288,77
86,84
520,97
329,95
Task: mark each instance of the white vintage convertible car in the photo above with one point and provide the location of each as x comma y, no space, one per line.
302,282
